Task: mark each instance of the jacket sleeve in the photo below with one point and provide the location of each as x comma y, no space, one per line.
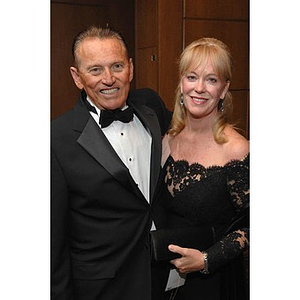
60,254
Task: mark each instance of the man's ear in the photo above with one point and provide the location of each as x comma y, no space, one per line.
131,69
76,77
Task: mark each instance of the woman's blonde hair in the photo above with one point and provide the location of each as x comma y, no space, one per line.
195,55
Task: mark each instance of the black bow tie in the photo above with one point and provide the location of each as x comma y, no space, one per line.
108,116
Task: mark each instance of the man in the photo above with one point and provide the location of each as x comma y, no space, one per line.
104,174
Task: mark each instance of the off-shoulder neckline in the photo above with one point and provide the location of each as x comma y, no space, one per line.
196,164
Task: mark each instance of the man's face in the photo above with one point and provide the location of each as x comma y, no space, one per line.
104,72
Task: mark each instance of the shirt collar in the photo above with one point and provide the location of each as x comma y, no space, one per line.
97,109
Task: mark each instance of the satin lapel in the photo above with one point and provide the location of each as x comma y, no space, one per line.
95,143
150,121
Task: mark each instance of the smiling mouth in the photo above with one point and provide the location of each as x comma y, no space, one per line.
109,91
199,100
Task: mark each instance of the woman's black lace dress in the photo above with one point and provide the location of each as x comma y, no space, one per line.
214,196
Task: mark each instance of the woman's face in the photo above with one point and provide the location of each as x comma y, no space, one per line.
202,88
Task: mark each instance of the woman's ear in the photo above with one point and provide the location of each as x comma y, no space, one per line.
225,90
181,87
76,77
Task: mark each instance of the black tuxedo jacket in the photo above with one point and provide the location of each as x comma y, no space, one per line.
100,220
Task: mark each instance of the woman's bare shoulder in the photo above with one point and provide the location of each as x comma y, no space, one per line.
238,146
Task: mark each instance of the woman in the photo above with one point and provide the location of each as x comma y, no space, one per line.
206,164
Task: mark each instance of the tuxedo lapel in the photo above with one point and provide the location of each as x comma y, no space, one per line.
96,144
149,120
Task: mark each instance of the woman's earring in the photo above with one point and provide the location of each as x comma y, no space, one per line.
181,100
221,106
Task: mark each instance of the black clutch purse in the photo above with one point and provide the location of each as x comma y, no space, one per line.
194,237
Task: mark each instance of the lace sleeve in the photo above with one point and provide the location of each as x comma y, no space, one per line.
238,182
230,246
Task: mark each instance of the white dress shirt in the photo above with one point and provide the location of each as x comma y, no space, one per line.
132,143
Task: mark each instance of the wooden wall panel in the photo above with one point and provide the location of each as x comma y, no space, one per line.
146,23
146,68
158,32
170,37
234,35
66,21
217,9
228,21
82,2
170,25
120,15
68,17
240,116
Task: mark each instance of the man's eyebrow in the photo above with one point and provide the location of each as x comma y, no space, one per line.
122,62
93,66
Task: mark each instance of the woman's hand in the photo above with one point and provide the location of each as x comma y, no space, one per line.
191,260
